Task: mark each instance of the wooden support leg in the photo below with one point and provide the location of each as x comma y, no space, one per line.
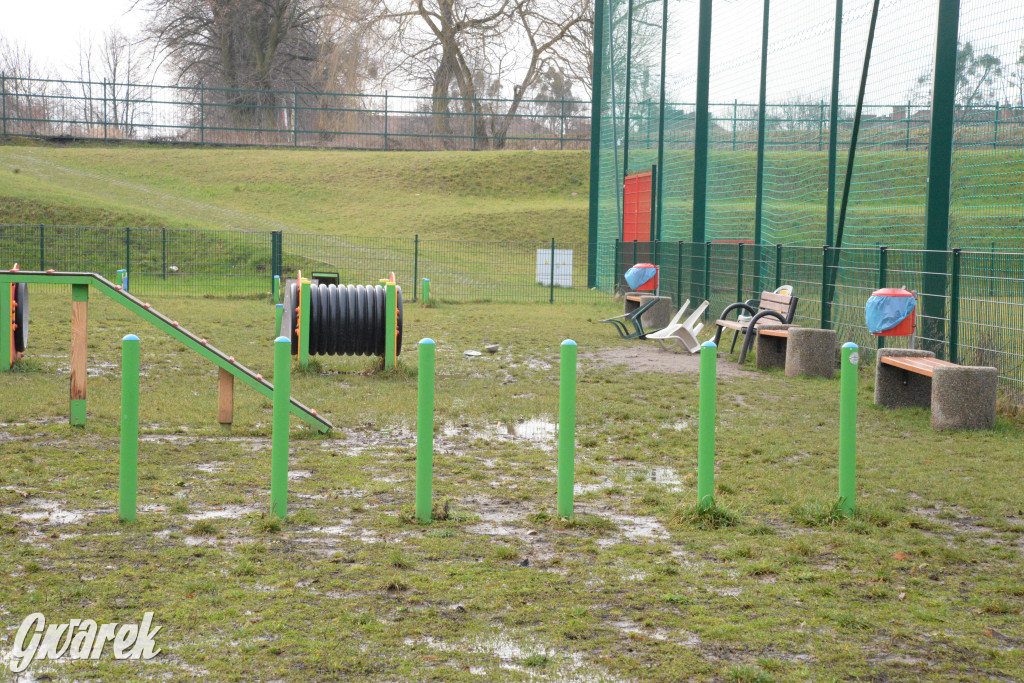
79,351
226,399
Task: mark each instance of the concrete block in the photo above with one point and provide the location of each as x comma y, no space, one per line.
896,388
771,351
654,318
964,397
811,352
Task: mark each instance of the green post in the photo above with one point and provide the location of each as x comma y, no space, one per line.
615,266
739,272
907,147
635,244
954,309
940,168
202,114
278,318
567,428
595,144
679,272
163,252
425,432
128,483
386,134
629,87
707,271
995,128
279,435
3,101
276,288
778,266
700,144
104,109
825,303
551,284
415,266
848,428
821,123
883,270
127,257
426,290
5,325
42,247
761,133
706,426
390,324
661,121
833,128
304,324
561,127
295,119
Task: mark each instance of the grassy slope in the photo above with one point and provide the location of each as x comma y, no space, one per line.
503,196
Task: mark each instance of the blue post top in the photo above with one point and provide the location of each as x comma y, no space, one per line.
849,345
129,337
277,277
279,305
709,345
426,279
282,340
568,342
426,340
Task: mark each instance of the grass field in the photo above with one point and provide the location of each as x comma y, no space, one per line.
924,582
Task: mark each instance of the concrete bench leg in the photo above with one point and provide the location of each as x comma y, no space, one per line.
811,352
771,351
964,397
896,388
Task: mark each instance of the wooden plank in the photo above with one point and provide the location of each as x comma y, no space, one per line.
225,397
915,364
731,324
79,348
774,333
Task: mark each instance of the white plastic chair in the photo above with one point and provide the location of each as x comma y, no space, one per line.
684,333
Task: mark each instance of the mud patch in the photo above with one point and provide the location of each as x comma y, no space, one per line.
650,358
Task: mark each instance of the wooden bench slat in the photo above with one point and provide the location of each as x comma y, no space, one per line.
916,364
774,333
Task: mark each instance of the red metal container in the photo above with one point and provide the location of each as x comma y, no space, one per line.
905,328
652,284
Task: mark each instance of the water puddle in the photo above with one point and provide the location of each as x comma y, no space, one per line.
667,477
638,528
226,512
539,430
51,512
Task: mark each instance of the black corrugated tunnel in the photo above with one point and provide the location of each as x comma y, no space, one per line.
345,320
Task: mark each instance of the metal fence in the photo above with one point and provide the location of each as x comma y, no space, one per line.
176,262
981,292
217,116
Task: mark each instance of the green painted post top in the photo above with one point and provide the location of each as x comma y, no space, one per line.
79,292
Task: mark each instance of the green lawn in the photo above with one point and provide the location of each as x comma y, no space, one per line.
924,582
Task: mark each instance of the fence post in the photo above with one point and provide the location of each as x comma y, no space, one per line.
883,276
995,126
700,144
735,117
679,273
595,148
821,123
707,271
907,147
739,272
833,132
778,266
629,88
42,248
415,266
654,257
826,252
3,101
762,132
954,309
661,118
634,252
615,266
476,109
128,254
295,119
386,144
104,108
202,113
551,284
992,271
561,128
163,251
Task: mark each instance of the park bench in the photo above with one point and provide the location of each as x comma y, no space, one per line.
800,351
960,396
771,309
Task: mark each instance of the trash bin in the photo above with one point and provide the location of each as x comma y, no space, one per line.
891,312
642,277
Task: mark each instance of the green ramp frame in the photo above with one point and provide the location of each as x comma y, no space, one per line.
160,321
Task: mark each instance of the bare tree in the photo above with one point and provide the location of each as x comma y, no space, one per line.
27,90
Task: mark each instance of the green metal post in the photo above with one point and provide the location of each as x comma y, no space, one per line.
415,266
551,284
279,435
883,271
739,272
615,266
821,123
700,144
954,309
661,121
635,244
390,324
706,426
825,303
42,247
425,432
561,128
386,135
202,114
5,325
707,271
761,133
295,120
304,323
679,273
995,128
778,266
567,428
735,121
629,88
104,109
163,252
595,144
654,205
940,167
278,318
426,290
833,128
127,257
907,146
275,288
3,101
128,486
848,428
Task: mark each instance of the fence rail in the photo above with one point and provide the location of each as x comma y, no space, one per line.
217,116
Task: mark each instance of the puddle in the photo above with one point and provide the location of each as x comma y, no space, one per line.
539,430
209,468
637,528
681,426
50,512
299,474
226,512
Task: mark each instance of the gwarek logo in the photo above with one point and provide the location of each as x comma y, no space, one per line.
79,639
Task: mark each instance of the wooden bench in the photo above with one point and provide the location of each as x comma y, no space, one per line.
960,396
800,351
771,310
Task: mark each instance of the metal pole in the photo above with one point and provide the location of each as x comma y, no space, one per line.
163,252
561,127
566,428
3,101
821,123
275,288
707,271
679,273
425,432
629,88
833,128
202,114
706,426
954,309
735,120
995,128
761,132
415,266
778,266
907,147
279,435
386,140
278,317
295,119
426,290
654,205
128,483
825,303
42,248
848,428
595,144
615,266
739,272
104,108
883,270
127,257
700,144
940,166
661,120
551,284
